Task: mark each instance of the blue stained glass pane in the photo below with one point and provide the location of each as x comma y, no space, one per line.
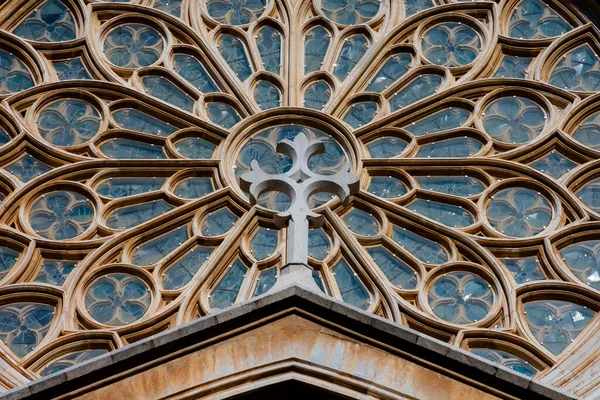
266,280
350,12
233,52
351,288
578,70
444,120
507,360
27,168
230,12
181,273
397,272
556,324
461,186
316,43
514,120
513,67
533,19
61,215
172,7
195,148
222,114
52,22
194,187
228,288
135,120
192,70
524,269
69,122
554,164
158,248
424,249
353,50
387,187
14,75
317,95
55,271
415,6
451,148
8,258
72,68
128,186
4,136
393,69
133,46
268,41
386,147
267,95
24,325
588,132
451,44
360,114
418,89
263,243
124,149
163,89
447,214
218,222
519,212
71,359
318,280
582,258
130,216
361,222
318,244
590,194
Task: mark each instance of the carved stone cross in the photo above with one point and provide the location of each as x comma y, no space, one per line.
299,183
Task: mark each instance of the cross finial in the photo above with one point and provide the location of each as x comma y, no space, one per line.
299,183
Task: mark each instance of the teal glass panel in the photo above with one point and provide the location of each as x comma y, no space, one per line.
462,186
8,258
24,325
386,147
218,222
4,136
554,164
52,22
128,186
267,95
158,248
181,273
130,216
71,359
27,167
451,148
396,66
519,212
397,272
317,95
263,243
240,12
118,299
524,269
69,122
233,52
444,120
424,249
361,222
424,86
266,280
192,70
353,50
223,114
579,70
194,188
55,271
513,67
135,120
268,41
583,260
125,149
133,46
273,200
163,89
360,114
533,19
228,288
351,288
350,12
451,44
318,244
61,215
14,75
416,6
590,194
588,132
387,187
447,214
70,69
556,324
506,360
316,43
514,120
172,7
460,298
196,148
318,280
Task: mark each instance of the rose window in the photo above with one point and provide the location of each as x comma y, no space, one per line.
473,127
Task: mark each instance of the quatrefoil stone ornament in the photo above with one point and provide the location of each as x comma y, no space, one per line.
299,183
